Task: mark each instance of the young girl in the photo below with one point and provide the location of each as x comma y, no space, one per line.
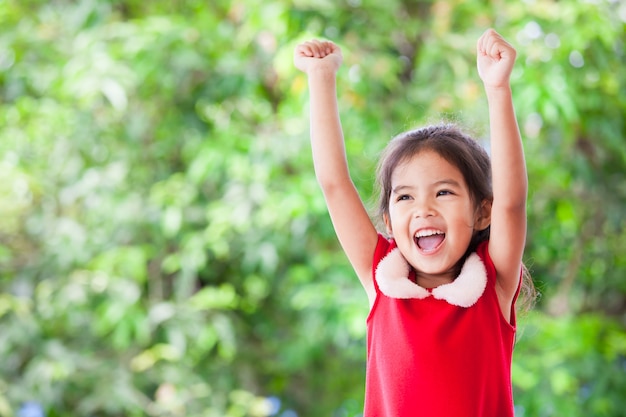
442,287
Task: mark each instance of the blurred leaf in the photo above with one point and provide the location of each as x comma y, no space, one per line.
164,246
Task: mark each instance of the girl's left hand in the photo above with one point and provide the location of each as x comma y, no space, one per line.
495,59
318,55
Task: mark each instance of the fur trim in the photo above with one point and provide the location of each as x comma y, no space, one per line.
392,276
467,288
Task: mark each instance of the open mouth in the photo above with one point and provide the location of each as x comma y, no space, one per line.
429,240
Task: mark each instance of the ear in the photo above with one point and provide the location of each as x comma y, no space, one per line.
388,224
483,215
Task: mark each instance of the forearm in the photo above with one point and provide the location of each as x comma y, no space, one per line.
510,181
496,59
327,143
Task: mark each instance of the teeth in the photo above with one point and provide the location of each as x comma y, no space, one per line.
427,232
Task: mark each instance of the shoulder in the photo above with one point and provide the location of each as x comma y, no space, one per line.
506,299
482,250
383,247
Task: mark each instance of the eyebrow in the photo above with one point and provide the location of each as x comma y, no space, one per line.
448,181
401,188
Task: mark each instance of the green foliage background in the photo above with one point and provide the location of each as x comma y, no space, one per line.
165,251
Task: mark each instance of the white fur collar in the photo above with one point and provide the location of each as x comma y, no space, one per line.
392,276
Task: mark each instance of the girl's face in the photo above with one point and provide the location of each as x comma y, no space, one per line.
431,215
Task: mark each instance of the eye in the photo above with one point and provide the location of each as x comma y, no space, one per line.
444,193
403,197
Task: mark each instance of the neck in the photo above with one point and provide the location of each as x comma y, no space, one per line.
434,280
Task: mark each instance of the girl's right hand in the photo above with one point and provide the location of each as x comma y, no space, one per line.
495,61
317,55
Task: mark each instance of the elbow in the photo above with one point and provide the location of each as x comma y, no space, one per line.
329,181
515,208
335,185
330,186
513,196
511,202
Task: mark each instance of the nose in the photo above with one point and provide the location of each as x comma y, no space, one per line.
423,208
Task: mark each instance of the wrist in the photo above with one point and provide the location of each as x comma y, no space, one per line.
321,78
498,92
321,72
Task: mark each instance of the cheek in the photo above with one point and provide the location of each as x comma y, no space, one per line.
397,213
394,219
392,210
466,216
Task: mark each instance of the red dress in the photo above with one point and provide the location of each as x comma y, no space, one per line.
444,352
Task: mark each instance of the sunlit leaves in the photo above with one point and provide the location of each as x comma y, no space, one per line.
164,247
543,370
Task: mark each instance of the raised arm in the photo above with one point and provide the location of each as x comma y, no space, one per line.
495,61
354,229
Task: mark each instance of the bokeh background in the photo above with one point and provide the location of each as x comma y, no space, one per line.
165,250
